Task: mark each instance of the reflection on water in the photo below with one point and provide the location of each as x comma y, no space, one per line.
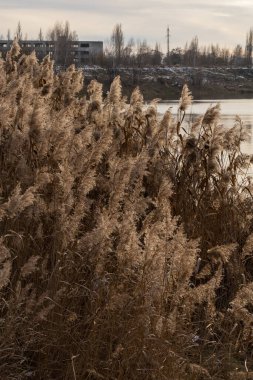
229,109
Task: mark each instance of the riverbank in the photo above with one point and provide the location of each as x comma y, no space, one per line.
166,82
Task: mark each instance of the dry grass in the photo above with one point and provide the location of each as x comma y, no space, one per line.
126,240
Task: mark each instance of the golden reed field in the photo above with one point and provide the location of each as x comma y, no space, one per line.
126,237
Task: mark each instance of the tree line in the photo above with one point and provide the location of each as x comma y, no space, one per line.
119,52
141,54
212,55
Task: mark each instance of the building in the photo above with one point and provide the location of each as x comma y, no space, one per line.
62,51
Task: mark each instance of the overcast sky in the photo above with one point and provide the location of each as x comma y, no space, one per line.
222,21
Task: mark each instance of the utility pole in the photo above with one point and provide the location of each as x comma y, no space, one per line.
168,45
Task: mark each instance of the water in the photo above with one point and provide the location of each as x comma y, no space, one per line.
229,109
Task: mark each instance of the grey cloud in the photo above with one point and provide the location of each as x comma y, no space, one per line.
223,21
123,8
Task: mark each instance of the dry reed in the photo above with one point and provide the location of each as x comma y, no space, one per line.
126,240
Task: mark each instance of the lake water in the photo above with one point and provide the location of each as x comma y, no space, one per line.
229,109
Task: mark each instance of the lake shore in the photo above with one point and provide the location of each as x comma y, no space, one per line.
166,82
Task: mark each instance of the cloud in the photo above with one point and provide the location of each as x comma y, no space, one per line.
225,22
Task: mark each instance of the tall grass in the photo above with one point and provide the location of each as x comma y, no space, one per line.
126,238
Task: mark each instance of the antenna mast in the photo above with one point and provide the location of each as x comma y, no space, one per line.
168,44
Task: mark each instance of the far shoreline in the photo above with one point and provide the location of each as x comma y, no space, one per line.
166,83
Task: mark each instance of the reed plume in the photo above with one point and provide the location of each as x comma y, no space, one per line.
126,237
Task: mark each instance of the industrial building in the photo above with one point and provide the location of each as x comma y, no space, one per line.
62,51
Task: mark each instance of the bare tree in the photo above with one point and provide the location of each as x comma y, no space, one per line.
249,47
157,55
129,52
144,53
191,52
40,36
63,39
117,40
8,35
19,34
237,56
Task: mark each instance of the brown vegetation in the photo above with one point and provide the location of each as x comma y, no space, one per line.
126,239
